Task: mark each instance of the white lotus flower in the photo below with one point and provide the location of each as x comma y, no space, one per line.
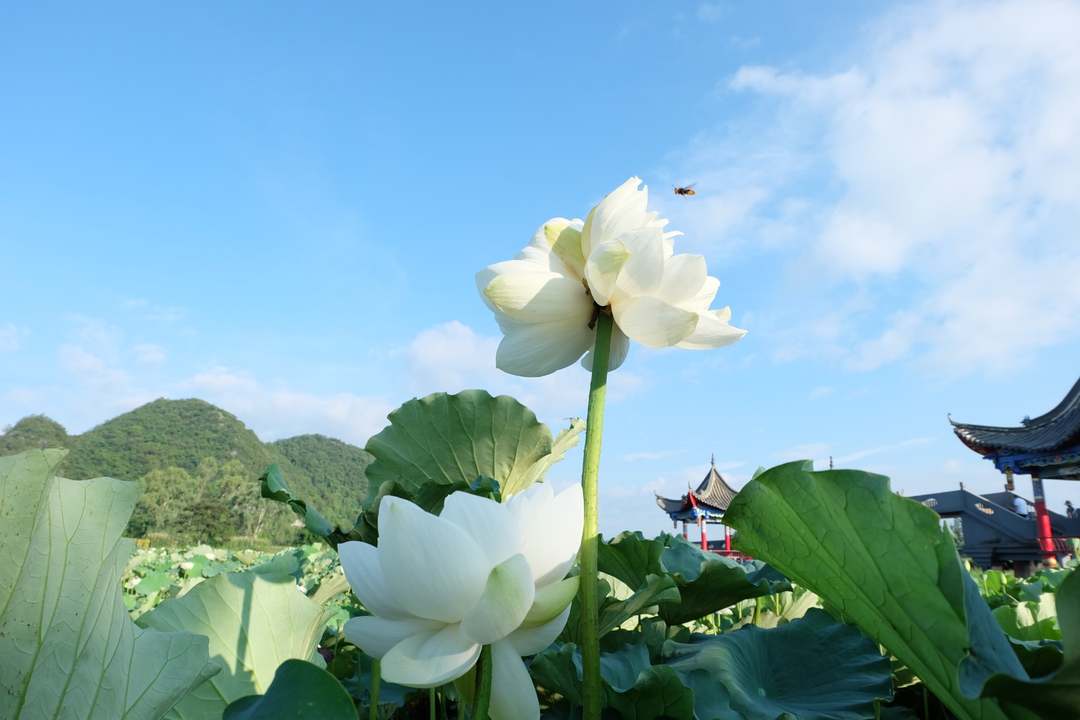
619,260
480,573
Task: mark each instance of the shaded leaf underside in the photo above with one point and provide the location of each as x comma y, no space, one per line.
67,646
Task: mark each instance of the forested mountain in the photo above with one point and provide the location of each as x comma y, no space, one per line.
33,432
199,466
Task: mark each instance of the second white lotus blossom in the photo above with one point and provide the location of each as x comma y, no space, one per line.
619,260
479,573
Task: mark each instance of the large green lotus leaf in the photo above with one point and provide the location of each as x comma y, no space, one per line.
564,442
632,685
1039,657
813,668
884,562
558,669
1056,695
786,606
67,646
356,671
1030,619
620,604
708,582
299,691
254,625
656,590
447,439
639,690
631,557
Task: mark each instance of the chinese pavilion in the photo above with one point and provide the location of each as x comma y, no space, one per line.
1046,447
704,505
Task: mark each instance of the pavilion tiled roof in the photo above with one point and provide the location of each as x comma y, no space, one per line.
1050,431
713,492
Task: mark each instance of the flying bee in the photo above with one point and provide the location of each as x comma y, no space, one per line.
686,191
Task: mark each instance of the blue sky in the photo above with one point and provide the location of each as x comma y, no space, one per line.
281,208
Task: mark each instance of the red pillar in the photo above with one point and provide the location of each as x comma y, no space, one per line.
727,539
685,534
1042,522
704,534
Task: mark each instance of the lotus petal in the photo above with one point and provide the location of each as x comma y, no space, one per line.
360,562
430,659
431,566
513,696
507,597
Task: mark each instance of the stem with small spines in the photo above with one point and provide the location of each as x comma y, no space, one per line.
483,692
590,538
376,676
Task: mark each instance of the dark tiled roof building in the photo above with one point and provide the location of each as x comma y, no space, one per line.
1045,447
711,497
703,505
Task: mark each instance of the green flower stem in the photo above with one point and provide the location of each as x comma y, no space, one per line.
376,676
431,703
483,692
590,605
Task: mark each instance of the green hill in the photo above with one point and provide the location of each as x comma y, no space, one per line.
33,432
163,434
189,452
335,469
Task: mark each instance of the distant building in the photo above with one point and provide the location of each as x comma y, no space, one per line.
703,505
1046,447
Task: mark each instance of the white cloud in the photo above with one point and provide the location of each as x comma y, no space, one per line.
816,451
95,334
650,455
821,453
20,401
276,412
104,376
90,368
947,170
893,343
821,391
164,314
810,88
880,449
744,42
222,380
93,390
149,354
711,11
451,357
10,337
667,484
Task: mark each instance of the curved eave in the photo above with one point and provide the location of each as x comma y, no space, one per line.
671,505
1058,428
989,440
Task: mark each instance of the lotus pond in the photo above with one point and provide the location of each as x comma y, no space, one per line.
890,622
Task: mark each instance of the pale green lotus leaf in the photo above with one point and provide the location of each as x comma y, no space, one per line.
1053,695
472,441
1030,619
255,623
68,649
455,439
